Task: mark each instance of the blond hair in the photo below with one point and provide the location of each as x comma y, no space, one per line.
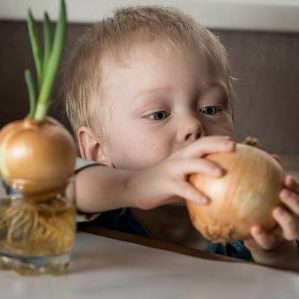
112,37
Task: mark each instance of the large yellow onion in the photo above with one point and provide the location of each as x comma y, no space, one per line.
243,197
36,156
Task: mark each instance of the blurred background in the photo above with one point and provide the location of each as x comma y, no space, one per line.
262,39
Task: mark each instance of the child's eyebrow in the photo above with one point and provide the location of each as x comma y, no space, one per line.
215,85
142,99
204,87
218,86
152,90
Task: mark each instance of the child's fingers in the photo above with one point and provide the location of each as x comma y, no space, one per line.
291,200
278,231
292,184
251,244
288,222
265,240
186,191
208,145
204,166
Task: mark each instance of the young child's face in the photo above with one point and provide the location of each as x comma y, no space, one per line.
160,100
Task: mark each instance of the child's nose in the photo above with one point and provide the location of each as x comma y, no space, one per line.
189,130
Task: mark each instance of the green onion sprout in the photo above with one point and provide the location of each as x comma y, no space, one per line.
47,59
31,91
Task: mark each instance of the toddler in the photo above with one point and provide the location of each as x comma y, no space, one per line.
148,93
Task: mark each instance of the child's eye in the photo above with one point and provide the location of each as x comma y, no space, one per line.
159,115
211,110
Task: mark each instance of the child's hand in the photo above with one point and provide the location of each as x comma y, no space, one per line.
167,182
287,218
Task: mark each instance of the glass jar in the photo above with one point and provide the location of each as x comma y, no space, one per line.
37,226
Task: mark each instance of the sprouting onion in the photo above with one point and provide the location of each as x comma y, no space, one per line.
37,157
38,148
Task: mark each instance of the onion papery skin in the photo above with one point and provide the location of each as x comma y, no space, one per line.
245,196
36,156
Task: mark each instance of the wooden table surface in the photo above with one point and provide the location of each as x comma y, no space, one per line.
155,243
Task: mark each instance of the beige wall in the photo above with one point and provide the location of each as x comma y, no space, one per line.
266,66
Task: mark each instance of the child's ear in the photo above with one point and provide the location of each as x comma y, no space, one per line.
90,147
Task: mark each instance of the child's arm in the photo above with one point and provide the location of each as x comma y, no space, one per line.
102,188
